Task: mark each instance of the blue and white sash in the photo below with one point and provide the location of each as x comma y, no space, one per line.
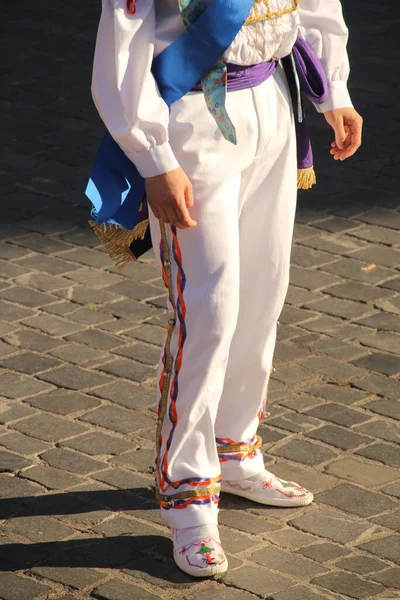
115,188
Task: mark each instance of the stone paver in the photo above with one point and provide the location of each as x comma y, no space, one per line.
14,587
54,479
346,439
257,580
351,585
39,528
331,525
387,547
355,500
361,564
48,428
389,455
391,577
362,473
304,452
79,342
324,552
288,563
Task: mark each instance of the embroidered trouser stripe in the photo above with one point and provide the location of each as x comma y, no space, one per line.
171,368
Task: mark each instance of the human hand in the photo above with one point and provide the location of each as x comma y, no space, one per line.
347,125
170,196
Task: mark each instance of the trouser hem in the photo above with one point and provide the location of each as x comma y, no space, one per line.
191,516
234,470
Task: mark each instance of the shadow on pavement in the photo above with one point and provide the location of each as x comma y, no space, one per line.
136,555
69,503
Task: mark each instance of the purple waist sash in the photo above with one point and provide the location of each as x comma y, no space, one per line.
244,77
304,73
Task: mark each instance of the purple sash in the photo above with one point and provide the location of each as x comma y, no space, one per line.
308,78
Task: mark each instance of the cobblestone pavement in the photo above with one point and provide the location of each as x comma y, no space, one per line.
79,344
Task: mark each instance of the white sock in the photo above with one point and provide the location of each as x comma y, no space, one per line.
189,534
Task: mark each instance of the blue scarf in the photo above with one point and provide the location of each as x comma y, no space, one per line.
115,188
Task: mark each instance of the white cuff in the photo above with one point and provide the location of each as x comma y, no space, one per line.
338,97
155,161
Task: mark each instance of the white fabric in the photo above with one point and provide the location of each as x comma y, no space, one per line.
236,264
127,97
328,38
183,537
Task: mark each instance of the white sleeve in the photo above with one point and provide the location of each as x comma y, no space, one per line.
124,90
322,26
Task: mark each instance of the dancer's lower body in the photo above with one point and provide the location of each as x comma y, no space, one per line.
227,280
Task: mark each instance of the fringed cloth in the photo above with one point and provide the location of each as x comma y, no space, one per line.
305,75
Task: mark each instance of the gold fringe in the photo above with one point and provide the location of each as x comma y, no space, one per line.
117,240
139,231
306,178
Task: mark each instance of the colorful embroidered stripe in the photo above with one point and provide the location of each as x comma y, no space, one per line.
167,357
239,457
164,481
173,413
238,451
199,501
229,442
166,262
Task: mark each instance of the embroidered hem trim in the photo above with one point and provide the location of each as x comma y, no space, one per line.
206,492
242,448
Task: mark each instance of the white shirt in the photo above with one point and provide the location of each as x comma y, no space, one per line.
126,94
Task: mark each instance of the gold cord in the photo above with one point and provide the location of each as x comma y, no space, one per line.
198,492
256,15
232,448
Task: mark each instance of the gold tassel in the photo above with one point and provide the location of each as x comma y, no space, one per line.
306,178
117,240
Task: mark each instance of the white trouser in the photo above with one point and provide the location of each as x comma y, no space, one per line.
228,278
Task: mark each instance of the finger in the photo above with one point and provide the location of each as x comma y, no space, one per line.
335,151
356,132
349,152
340,133
336,155
184,217
353,147
173,218
178,221
189,197
164,216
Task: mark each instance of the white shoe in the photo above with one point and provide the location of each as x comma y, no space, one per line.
266,488
198,551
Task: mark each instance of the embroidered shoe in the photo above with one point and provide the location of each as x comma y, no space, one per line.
198,551
266,488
